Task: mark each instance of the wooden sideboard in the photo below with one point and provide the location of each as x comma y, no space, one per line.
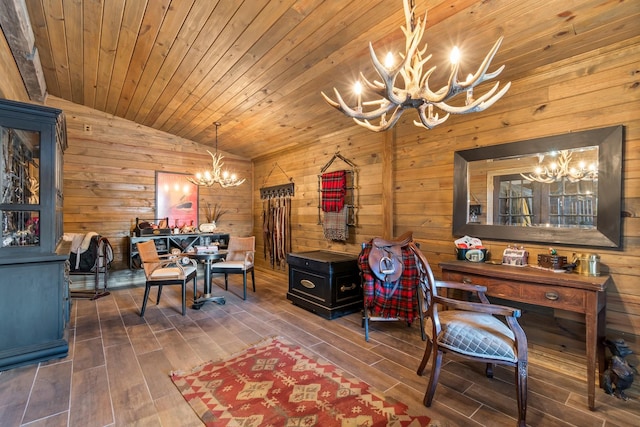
565,291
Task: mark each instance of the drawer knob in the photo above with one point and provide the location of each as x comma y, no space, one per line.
307,284
553,296
344,288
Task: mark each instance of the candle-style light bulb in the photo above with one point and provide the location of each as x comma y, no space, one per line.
469,99
388,60
455,55
357,88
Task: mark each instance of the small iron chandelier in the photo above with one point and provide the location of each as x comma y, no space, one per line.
415,92
216,175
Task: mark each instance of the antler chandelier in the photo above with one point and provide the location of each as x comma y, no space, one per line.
216,175
415,92
560,169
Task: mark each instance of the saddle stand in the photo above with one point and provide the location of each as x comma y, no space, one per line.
102,254
384,260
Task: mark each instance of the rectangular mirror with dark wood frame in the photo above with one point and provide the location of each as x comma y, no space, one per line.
563,189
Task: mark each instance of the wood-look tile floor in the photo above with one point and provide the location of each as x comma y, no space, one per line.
117,371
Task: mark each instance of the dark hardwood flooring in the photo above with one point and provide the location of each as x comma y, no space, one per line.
117,371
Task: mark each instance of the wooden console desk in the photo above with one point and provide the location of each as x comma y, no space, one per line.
565,291
182,241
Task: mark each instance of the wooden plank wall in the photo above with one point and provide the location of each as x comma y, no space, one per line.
109,176
11,84
109,172
592,90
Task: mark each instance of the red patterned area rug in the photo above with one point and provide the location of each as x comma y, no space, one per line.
274,384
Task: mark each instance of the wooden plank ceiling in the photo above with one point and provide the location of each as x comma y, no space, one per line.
258,66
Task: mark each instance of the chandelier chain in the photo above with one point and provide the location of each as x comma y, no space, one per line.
216,175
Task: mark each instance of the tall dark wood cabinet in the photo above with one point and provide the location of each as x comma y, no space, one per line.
33,257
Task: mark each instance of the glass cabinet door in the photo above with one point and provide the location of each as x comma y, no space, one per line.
20,186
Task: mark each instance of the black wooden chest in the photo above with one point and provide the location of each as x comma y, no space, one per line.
326,283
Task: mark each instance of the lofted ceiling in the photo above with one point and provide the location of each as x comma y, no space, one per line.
258,66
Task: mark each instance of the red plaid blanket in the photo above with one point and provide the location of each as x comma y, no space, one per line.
379,297
333,190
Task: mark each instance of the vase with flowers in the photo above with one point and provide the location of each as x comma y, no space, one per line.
213,215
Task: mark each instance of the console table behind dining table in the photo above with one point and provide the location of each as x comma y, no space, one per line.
531,285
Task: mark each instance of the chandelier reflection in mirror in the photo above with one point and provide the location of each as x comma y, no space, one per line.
561,168
415,92
216,175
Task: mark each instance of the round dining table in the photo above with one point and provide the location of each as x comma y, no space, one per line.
207,258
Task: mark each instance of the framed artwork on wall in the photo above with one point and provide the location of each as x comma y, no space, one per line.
176,199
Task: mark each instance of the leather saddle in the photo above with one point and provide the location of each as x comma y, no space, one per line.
385,257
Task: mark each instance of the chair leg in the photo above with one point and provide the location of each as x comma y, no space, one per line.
433,380
253,280
159,293
226,282
365,322
489,370
244,285
521,388
425,358
147,288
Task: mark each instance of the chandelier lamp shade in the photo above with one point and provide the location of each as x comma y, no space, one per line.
216,175
412,80
562,169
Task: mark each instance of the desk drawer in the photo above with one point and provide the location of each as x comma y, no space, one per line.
549,296
555,296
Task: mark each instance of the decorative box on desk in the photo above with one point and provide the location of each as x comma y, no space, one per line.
327,283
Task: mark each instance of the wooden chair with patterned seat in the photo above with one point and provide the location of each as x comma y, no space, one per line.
477,331
166,270
239,260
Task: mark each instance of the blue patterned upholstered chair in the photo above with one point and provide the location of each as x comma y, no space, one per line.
478,331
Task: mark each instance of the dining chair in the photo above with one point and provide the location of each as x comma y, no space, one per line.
163,270
239,260
472,330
